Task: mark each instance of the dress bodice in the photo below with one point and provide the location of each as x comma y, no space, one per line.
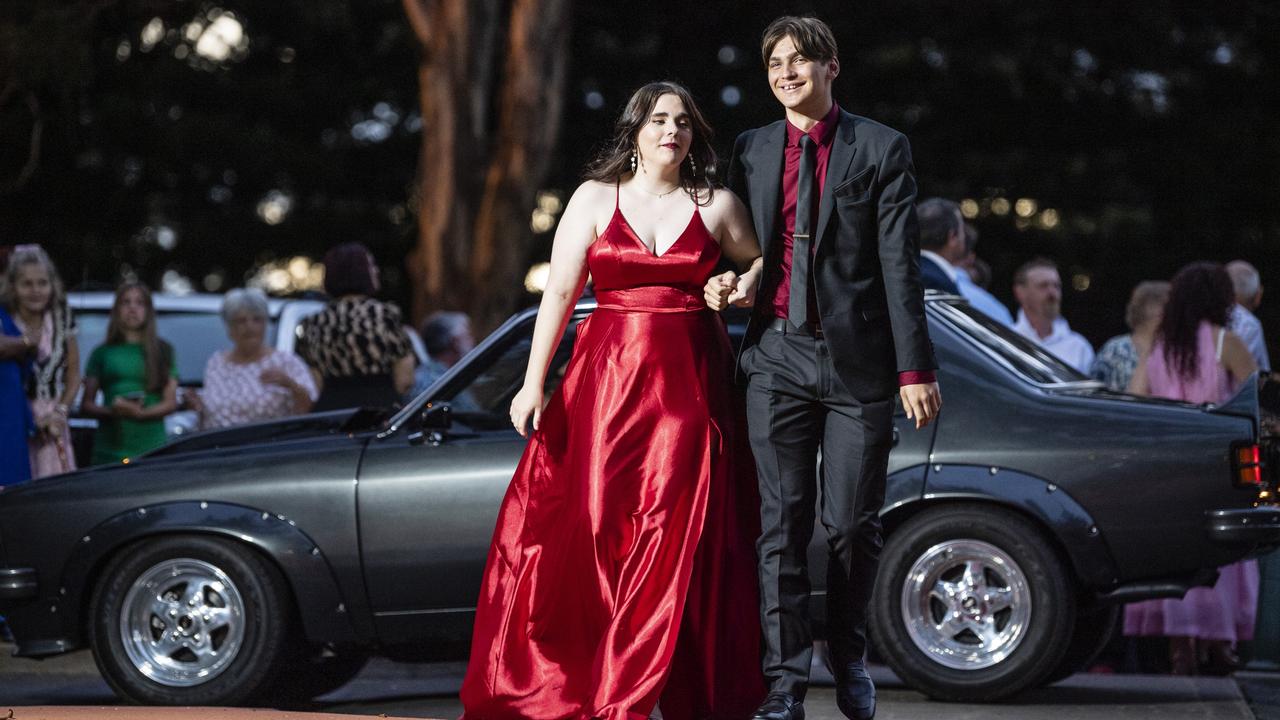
1211,382
629,276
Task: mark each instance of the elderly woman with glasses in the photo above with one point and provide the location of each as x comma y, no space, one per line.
252,381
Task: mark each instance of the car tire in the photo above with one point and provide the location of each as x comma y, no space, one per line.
189,620
972,603
1095,626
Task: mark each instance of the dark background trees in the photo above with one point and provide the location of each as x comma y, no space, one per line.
1143,135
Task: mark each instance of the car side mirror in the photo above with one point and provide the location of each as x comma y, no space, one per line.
436,418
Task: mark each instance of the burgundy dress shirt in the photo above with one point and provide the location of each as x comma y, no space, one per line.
778,295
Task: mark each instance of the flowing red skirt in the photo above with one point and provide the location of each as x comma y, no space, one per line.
622,571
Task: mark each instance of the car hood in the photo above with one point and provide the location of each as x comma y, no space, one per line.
351,420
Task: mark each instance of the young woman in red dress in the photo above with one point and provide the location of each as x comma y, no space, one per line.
622,571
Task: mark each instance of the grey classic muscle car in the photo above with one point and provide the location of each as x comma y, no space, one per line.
265,563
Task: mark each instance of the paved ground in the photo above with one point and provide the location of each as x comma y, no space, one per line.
430,691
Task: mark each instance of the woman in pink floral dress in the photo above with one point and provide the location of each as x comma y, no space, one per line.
252,381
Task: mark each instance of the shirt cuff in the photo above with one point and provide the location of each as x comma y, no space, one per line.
916,377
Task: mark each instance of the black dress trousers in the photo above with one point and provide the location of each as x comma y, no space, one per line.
796,406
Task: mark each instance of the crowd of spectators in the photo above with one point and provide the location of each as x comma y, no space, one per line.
354,352
1194,338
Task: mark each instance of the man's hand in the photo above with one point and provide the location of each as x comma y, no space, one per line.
922,402
744,294
719,288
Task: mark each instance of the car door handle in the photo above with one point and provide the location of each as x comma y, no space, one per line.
426,437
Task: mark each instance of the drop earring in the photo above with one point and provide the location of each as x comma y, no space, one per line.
633,162
693,166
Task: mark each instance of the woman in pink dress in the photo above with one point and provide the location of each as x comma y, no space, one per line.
1196,359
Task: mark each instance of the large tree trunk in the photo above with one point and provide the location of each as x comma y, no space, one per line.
490,115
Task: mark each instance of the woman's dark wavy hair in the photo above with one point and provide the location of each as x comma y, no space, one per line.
614,161
347,270
1200,291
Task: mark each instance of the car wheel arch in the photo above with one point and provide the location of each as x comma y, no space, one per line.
1066,523
306,571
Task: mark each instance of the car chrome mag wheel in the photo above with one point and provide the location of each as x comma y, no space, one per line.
966,604
182,622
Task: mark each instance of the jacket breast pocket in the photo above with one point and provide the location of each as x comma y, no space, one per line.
856,189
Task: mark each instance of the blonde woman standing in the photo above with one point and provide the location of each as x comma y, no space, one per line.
33,294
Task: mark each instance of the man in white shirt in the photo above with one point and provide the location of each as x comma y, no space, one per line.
1038,288
1242,321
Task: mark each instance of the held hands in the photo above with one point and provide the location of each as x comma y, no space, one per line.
921,402
125,408
52,422
719,289
526,403
728,288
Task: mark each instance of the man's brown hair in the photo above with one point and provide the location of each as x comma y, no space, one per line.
812,37
1020,276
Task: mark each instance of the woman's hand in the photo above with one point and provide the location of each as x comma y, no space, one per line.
719,289
276,376
526,403
125,408
191,400
54,421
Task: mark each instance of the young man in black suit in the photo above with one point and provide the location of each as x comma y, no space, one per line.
835,335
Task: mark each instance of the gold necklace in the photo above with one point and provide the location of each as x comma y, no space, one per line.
661,195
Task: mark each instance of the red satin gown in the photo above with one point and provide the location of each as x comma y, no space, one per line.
622,571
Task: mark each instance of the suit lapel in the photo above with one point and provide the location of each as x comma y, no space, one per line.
842,151
766,181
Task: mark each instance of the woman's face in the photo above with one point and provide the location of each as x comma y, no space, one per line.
664,139
34,288
132,309
1152,315
247,330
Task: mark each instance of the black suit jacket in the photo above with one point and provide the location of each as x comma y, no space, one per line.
866,266
935,278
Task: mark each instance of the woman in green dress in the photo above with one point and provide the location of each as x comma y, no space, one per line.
135,371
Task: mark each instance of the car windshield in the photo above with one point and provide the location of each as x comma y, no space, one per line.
194,337
1017,352
480,395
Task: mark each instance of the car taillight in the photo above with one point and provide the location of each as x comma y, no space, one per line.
1246,465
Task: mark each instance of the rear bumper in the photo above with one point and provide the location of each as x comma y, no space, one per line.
1244,526
18,583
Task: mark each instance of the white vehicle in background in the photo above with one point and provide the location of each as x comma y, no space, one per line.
192,324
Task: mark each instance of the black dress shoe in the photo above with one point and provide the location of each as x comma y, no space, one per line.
855,693
780,706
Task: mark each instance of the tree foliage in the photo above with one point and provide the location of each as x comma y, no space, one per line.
1150,129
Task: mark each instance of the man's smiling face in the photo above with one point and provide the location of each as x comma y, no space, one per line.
800,83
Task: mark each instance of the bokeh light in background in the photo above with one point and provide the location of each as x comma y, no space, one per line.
275,207
535,281
547,213
288,276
